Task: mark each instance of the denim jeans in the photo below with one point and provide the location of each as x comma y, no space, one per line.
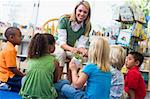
64,89
15,83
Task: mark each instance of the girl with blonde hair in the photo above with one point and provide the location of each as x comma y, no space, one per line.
117,59
95,74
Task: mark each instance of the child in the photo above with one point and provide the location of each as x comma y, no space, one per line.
9,73
95,74
134,83
117,59
42,69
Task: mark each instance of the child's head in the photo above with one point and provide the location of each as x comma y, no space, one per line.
99,53
13,35
117,56
41,44
51,42
134,59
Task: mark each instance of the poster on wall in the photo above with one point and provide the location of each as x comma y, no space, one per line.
124,37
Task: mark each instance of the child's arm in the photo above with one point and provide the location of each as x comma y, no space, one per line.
78,82
57,74
16,71
132,94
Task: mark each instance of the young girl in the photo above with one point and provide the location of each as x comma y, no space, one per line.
42,69
95,74
117,59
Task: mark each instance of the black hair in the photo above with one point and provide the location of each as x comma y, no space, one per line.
11,31
51,39
39,45
138,57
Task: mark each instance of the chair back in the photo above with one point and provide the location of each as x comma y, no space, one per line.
50,26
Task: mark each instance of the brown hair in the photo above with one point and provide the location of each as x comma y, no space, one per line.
39,45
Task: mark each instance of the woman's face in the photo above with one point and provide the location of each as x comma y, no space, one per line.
81,13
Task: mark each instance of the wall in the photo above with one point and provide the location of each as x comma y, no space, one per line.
27,12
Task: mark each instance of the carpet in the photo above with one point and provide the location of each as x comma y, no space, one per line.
9,95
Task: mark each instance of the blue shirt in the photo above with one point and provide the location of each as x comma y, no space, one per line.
98,82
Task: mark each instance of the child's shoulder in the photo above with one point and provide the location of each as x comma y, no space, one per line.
134,72
90,65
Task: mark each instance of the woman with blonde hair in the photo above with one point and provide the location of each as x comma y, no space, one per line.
117,59
95,74
73,32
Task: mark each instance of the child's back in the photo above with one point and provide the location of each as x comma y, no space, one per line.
96,74
117,58
98,83
39,81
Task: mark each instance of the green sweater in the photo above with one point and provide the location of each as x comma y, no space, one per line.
72,36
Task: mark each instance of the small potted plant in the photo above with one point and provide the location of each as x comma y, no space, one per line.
78,59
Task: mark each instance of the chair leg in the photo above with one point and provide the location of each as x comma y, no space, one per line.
69,73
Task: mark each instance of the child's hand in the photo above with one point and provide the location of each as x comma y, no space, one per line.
77,62
73,66
83,51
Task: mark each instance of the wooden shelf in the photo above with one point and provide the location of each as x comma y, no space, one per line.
145,71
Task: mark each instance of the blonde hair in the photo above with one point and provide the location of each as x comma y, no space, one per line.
72,17
99,53
117,56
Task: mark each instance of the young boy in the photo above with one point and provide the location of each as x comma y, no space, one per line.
9,73
134,83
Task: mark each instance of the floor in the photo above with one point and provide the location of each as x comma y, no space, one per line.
9,95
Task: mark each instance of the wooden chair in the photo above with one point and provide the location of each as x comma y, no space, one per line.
50,26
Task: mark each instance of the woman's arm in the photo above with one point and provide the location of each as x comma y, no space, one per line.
62,39
78,82
81,44
69,48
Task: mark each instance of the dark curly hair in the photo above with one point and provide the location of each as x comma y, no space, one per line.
11,31
39,45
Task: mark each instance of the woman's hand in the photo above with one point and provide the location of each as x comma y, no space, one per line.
83,51
74,50
73,66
